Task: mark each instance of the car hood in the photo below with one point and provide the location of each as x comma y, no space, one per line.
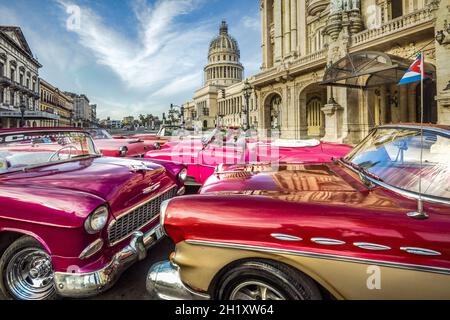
120,182
265,179
114,143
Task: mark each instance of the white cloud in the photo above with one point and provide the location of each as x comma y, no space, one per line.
163,51
253,23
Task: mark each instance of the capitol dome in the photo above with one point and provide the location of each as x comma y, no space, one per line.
224,42
224,67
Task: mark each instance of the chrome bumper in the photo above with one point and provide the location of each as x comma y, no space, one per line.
82,285
164,280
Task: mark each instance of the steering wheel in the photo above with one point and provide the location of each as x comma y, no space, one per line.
59,151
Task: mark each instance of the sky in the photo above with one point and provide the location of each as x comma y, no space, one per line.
131,57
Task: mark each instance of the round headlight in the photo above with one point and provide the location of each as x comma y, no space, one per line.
183,175
123,151
97,220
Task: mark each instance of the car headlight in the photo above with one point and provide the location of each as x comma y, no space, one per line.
162,216
182,175
123,151
97,220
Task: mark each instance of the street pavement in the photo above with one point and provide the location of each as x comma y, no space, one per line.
131,285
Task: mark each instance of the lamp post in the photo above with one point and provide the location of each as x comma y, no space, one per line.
247,92
22,108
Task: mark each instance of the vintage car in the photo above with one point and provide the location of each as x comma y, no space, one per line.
110,147
71,221
374,224
165,134
202,156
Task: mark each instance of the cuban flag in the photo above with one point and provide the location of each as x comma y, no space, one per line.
416,72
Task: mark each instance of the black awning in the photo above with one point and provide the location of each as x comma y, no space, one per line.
366,69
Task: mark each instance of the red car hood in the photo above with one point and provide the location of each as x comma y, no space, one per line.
112,179
263,179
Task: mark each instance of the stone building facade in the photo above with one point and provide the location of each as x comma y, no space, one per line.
82,110
19,81
54,101
330,68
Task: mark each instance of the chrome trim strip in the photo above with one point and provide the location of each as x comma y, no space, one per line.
420,251
307,254
285,237
402,192
327,241
371,246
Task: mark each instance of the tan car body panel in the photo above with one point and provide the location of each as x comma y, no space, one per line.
199,264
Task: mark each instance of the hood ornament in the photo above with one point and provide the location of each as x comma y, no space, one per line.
139,167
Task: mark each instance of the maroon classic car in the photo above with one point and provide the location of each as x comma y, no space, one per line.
110,147
71,220
373,225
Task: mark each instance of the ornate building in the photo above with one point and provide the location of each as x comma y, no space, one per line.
55,102
222,71
19,81
330,68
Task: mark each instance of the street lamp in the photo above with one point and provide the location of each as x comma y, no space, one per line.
247,92
22,108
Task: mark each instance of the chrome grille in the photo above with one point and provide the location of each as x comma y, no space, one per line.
138,218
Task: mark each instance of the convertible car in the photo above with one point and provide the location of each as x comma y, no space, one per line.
202,156
71,221
374,224
110,147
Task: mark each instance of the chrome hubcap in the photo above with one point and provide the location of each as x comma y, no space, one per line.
29,275
255,290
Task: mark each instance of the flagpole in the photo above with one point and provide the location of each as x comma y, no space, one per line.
422,76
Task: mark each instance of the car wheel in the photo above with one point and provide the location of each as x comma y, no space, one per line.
262,280
26,271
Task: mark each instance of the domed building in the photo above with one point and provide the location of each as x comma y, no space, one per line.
224,67
222,74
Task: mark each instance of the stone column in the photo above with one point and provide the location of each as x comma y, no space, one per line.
333,121
383,106
302,37
442,13
287,27
412,103
278,20
265,41
403,103
294,25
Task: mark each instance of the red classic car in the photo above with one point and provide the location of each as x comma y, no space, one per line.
202,156
155,141
373,225
110,147
71,220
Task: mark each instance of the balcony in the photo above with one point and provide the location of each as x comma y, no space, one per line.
316,6
14,113
5,81
413,22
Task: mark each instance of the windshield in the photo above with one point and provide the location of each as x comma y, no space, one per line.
393,155
99,134
28,149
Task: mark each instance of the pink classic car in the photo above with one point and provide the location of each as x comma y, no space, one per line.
374,224
110,147
202,156
71,220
